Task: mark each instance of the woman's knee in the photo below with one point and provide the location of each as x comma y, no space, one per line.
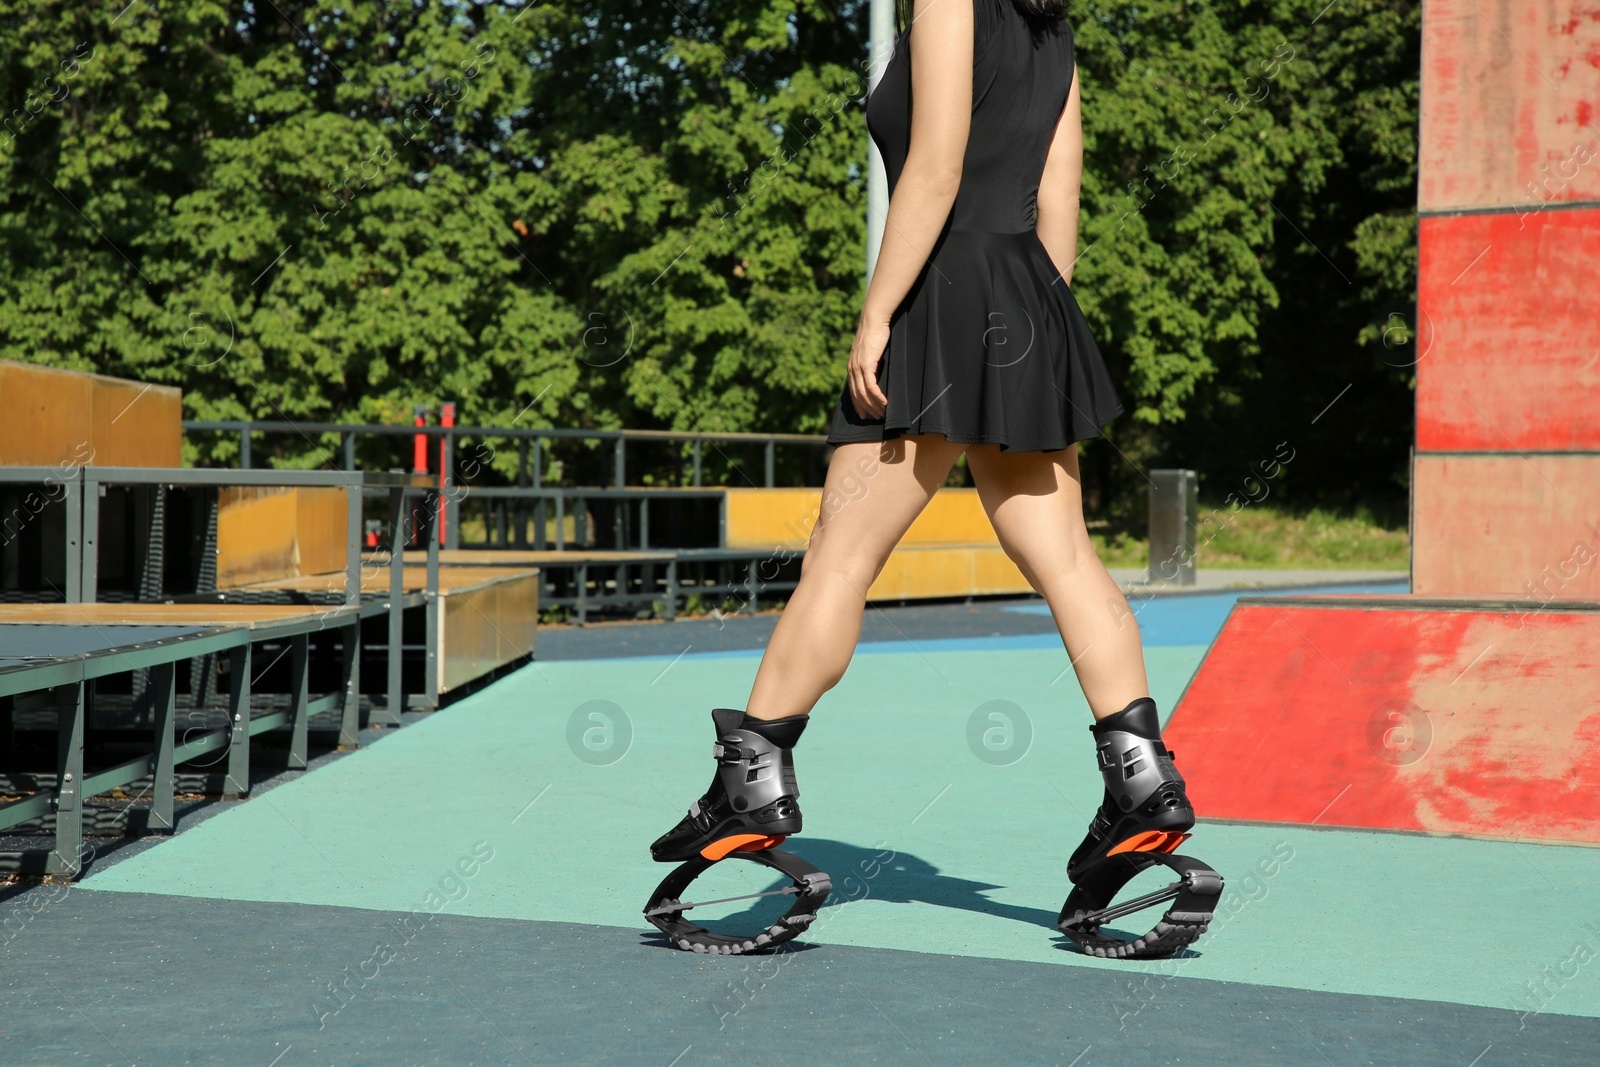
834,558
1044,570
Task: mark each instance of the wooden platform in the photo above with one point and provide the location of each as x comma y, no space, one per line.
253,617
375,580
525,557
489,614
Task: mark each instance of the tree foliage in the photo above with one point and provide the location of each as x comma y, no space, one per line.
608,214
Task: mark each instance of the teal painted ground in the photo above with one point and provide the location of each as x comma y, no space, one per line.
978,847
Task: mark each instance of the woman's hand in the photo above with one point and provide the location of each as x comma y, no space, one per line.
872,337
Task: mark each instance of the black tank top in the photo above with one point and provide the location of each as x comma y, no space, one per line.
1021,74
989,344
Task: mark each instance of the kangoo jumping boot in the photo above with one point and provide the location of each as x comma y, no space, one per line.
753,801
1145,808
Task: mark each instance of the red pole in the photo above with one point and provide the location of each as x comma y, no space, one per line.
419,444
447,417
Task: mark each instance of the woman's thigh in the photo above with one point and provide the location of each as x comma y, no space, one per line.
1034,500
874,491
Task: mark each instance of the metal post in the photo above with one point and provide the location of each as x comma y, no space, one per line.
74,491
697,462
163,702
881,20
236,783
397,550
349,441
540,511
520,507
1174,508
350,674
299,699
644,522
431,608
350,657
244,447
89,582
583,593
352,544
772,461
152,576
447,523
619,461
561,523
419,441
672,588
68,855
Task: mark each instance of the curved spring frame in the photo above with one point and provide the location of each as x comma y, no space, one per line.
666,910
1088,906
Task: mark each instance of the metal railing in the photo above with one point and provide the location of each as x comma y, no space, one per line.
529,497
529,476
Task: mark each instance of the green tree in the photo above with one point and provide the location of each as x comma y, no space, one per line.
1249,215
608,214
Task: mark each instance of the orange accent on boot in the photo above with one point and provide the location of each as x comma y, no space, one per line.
1151,841
764,843
738,842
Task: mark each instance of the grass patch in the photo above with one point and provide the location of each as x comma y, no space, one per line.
1262,536
1119,546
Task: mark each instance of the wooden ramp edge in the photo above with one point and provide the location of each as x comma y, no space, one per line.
1478,721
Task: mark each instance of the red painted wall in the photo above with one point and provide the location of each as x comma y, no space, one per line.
1483,723
1510,99
1509,315
1524,525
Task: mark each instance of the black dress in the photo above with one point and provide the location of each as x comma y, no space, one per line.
989,345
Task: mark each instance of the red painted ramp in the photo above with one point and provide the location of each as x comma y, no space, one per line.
1424,713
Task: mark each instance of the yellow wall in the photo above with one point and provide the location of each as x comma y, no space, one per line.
51,417
267,534
917,571
768,518
950,550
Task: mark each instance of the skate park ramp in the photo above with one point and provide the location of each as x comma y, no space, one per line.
327,919
1442,715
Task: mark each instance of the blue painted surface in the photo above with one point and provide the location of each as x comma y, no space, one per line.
1187,619
946,953
1196,619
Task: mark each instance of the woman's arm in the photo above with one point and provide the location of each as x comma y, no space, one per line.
941,84
1057,222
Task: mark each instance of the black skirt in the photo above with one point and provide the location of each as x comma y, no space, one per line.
989,346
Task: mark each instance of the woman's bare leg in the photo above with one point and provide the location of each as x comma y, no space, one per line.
1035,502
871,496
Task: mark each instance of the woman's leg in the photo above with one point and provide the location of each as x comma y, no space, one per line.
1035,503
871,496
873,492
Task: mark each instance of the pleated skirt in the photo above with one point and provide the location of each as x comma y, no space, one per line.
987,348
